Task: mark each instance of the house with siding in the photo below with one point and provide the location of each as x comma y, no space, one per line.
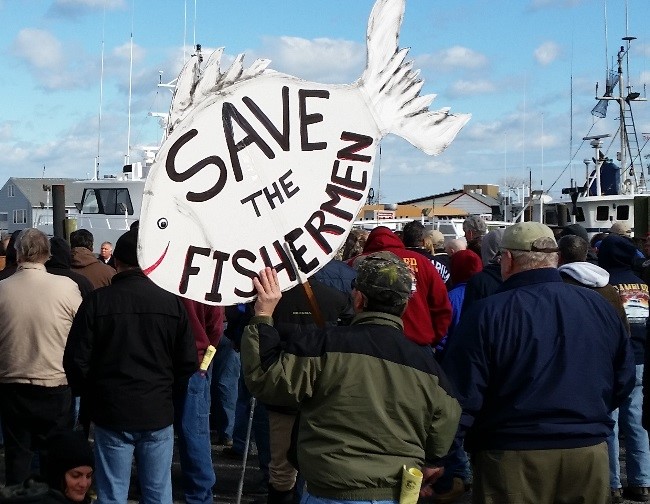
470,200
27,202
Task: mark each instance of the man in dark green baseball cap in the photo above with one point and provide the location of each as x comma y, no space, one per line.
371,401
385,283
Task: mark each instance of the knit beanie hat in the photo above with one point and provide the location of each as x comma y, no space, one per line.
66,449
126,248
575,229
464,264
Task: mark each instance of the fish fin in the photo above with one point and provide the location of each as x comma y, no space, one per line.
258,67
233,74
184,92
194,85
211,73
392,87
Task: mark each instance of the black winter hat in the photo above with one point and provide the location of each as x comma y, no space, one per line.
575,229
66,449
126,248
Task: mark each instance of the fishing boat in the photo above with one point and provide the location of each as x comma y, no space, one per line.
615,183
110,205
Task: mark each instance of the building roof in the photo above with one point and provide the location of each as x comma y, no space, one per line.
486,200
430,198
32,189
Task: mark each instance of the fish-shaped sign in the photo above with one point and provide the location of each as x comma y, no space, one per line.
263,169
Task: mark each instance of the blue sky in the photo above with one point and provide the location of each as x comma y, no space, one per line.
507,62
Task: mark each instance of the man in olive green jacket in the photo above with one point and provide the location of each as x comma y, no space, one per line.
370,400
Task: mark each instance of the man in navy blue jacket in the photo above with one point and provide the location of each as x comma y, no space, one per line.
539,366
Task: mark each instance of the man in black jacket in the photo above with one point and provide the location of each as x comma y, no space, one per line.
295,315
413,237
130,349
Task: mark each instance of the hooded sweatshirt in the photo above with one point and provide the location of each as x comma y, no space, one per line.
59,264
594,277
428,311
84,261
616,254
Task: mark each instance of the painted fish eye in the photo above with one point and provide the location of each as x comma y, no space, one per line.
162,223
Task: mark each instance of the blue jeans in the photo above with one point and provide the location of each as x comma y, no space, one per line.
260,429
456,465
114,452
192,424
307,498
225,379
637,450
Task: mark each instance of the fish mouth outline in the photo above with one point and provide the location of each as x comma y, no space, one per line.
157,263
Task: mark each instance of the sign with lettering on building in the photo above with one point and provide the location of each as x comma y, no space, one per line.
264,169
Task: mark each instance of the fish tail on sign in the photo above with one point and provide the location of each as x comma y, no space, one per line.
392,87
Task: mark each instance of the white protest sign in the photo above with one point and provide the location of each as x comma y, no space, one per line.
260,165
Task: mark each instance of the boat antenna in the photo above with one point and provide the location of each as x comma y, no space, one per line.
523,134
605,32
379,181
571,113
541,182
194,29
101,98
128,131
185,32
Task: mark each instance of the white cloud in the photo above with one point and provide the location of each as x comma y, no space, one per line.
75,8
453,58
6,131
321,60
471,88
437,166
547,53
545,4
644,77
38,48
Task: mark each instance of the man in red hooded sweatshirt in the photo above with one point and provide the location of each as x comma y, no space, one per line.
192,410
428,312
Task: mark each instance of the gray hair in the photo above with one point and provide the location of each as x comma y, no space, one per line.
32,246
525,260
476,224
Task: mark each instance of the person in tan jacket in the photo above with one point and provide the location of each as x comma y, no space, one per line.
85,262
36,309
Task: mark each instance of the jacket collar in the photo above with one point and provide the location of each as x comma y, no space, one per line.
380,318
534,276
122,275
31,266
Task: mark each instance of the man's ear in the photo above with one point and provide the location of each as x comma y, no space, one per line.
358,301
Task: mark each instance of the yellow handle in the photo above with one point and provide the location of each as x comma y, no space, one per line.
207,358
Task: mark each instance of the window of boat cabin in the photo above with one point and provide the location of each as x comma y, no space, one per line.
622,212
602,213
580,215
107,201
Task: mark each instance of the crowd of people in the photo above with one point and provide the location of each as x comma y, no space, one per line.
506,362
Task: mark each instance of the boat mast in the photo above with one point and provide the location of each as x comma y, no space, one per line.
101,99
127,157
